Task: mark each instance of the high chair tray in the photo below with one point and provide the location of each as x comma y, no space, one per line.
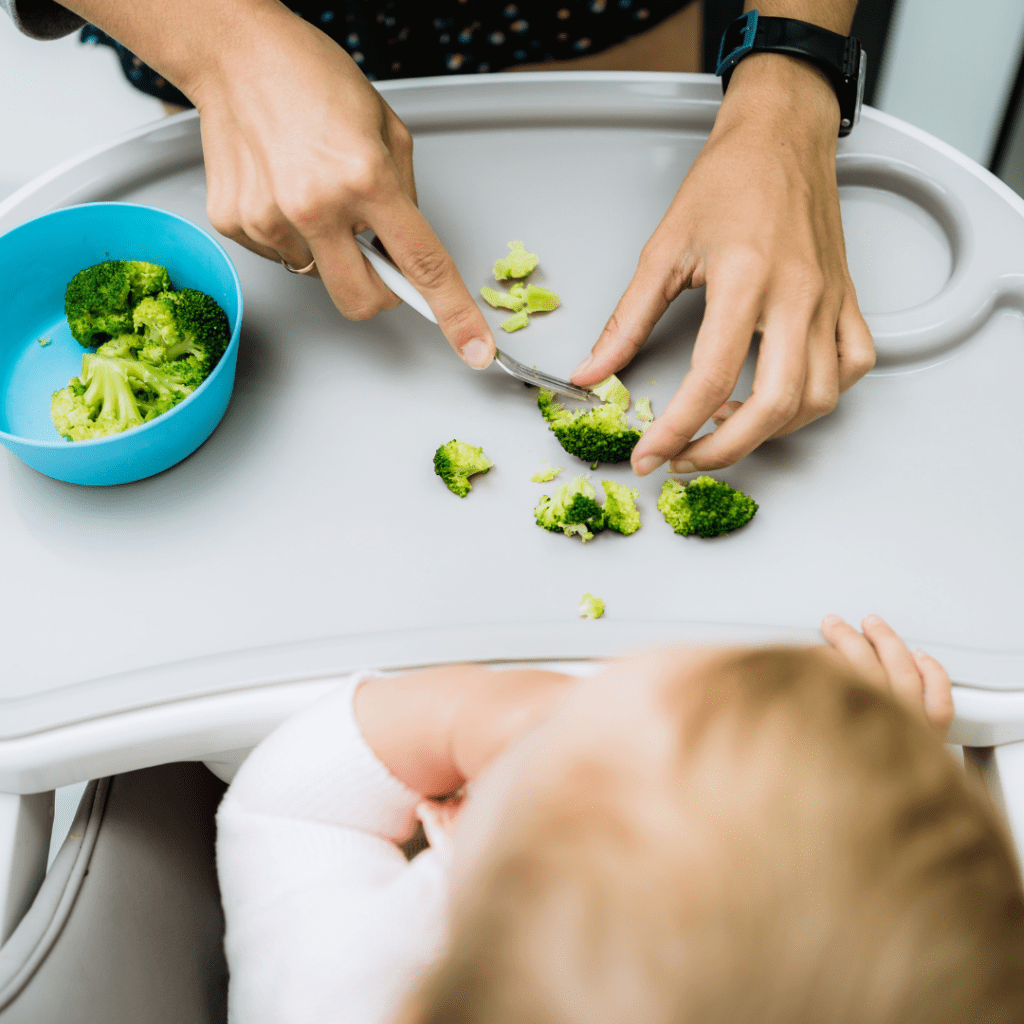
310,534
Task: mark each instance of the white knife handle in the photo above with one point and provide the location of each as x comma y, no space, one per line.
395,280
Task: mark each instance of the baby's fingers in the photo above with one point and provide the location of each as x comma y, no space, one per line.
904,678
938,692
855,648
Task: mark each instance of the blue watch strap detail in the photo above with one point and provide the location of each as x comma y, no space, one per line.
740,35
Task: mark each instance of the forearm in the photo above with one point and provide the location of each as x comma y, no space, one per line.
835,15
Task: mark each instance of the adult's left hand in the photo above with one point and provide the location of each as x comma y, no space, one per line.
757,222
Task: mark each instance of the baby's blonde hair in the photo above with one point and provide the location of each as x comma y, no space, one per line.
815,856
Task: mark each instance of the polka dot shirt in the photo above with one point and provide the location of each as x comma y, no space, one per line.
405,39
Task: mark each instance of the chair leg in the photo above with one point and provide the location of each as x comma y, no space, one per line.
25,826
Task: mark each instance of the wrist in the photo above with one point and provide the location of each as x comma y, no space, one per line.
783,94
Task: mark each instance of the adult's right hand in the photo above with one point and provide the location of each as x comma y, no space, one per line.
301,151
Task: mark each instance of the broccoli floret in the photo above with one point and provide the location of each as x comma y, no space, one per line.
596,435
704,506
456,461
516,322
44,342
114,393
518,263
572,510
620,513
186,327
591,607
544,476
644,412
503,300
612,391
540,300
99,300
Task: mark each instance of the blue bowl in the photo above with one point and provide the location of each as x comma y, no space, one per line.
37,260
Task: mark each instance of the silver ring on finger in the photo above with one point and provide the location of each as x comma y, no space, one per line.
295,270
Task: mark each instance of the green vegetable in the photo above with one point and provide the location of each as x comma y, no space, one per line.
541,300
591,607
705,507
185,327
643,410
44,342
620,513
572,510
503,300
99,300
612,391
516,322
596,435
517,264
543,476
114,393
456,461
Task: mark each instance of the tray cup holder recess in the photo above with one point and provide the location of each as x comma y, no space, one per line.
963,302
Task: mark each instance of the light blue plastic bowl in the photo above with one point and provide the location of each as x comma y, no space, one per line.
37,260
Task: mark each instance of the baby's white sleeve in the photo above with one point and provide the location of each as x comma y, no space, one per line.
325,918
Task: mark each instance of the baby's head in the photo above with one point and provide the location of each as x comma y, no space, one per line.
730,836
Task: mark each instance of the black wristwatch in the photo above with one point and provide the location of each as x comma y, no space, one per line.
841,59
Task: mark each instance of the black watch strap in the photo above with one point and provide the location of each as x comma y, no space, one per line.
841,59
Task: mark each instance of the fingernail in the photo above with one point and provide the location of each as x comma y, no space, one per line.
648,464
476,353
831,620
586,362
872,620
919,652
683,466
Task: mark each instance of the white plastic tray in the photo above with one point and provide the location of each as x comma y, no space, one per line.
310,535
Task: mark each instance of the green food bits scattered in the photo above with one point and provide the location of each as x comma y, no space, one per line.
44,342
612,391
516,322
518,263
543,476
518,290
705,507
502,300
643,410
540,300
591,607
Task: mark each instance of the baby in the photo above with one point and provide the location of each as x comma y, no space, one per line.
701,835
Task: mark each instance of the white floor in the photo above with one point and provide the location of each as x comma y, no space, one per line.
58,98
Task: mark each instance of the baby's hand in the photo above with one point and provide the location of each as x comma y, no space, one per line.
883,658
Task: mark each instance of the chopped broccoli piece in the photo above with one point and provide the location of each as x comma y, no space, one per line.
541,300
502,300
518,263
115,393
704,506
620,513
516,322
99,300
518,290
572,510
595,435
543,476
612,391
643,410
44,342
591,607
456,461
186,327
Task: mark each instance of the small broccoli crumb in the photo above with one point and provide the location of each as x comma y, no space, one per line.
643,411
517,264
519,290
44,342
516,322
612,391
456,461
502,300
543,476
541,300
572,510
591,607
705,507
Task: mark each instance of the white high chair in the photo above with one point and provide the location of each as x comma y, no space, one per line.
309,536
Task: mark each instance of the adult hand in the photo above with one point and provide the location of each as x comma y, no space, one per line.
917,679
757,221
